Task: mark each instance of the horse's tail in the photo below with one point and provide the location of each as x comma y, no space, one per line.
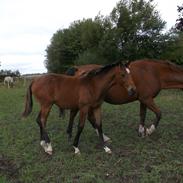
28,102
71,71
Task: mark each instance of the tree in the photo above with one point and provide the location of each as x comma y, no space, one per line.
138,28
179,24
133,30
174,41
68,45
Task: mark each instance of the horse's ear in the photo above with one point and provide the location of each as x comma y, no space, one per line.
126,63
122,64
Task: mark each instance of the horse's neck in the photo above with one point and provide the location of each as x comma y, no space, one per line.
172,78
103,82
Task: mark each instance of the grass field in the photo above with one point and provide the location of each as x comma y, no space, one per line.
155,159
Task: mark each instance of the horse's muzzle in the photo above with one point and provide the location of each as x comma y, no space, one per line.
131,91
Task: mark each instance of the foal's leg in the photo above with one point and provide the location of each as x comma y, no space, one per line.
98,124
92,120
71,121
152,106
143,110
82,114
41,120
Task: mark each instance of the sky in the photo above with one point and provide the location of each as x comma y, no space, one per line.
26,26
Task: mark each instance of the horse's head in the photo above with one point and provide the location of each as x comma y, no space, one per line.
124,78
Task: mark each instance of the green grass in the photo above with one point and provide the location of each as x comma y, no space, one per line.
155,159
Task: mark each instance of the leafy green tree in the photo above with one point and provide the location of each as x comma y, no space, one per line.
67,45
62,51
138,29
174,47
179,24
133,30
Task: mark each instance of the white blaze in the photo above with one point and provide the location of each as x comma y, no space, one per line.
128,70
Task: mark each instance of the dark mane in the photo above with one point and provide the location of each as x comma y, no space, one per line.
103,69
167,62
71,71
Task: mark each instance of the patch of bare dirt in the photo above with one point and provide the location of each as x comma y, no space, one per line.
8,167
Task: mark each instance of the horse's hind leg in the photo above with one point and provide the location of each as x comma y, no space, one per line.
71,121
92,120
98,124
41,120
143,110
152,106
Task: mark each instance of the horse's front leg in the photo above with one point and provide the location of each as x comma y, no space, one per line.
82,114
97,115
142,129
151,105
92,120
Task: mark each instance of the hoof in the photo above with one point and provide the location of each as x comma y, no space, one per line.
49,152
142,135
76,151
141,131
107,150
47,147
150,130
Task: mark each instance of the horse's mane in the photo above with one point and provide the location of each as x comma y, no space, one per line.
102,69
71,71
166,62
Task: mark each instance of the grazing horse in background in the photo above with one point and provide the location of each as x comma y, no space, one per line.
9,81
149,76
83,93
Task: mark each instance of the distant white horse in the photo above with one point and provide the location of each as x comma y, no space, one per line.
9,81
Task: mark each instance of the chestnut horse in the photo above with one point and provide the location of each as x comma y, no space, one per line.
76,93
149,76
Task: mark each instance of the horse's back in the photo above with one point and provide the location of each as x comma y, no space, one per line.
55,88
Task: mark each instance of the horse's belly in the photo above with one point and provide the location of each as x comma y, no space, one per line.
67,102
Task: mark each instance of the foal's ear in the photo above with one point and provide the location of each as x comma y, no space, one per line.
126,63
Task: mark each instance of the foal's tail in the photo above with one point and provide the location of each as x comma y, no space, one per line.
28,102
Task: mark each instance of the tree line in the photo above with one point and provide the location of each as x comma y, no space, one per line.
133,30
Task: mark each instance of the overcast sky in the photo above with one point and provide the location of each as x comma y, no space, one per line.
26,26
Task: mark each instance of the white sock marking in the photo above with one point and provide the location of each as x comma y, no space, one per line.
76,150
150,130
141,129
107,150
43,143
47,147
106,138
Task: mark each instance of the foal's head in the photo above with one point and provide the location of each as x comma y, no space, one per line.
124,78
